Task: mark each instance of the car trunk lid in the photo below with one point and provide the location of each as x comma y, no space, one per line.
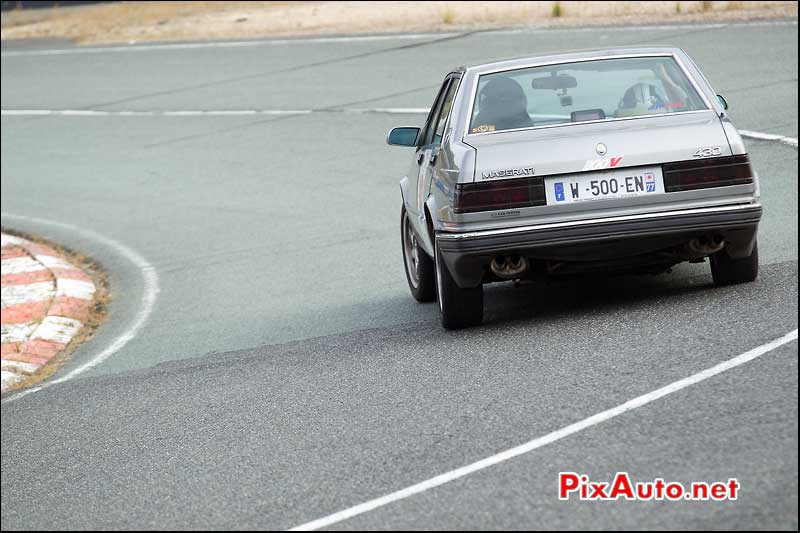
586,147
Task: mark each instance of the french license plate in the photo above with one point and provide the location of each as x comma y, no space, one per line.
589,186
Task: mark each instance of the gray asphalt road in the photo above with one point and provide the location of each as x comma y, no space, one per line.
286,373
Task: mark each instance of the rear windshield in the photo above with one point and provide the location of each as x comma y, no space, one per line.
577,92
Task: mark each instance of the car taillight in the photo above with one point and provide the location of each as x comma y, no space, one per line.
501,194
706,173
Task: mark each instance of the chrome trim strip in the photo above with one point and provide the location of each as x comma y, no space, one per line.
626,218
476,81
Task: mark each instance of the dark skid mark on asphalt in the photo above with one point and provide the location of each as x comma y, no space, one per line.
232,256
321,63
200,423
768,129
507,308
219,131
285,70
511,312
783,159
762,86
598,293
336,108
680,34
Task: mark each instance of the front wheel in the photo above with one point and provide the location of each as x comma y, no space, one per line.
461,308
729,271
419,266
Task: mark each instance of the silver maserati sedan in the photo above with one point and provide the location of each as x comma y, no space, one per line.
609,160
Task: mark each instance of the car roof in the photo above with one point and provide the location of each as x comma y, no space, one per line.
533,60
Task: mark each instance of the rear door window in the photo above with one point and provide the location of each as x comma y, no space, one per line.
443,112
434,127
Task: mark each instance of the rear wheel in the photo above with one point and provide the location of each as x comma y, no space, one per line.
729,271
419,266
461,308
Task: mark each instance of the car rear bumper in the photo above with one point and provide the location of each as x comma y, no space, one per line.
467,254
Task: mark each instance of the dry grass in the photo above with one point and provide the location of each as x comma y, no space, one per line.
448,17
97,315
192,20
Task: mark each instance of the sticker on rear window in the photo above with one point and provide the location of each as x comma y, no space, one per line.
483,128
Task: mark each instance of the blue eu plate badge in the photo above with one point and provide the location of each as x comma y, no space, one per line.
559,190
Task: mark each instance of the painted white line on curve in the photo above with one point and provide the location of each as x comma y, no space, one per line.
791,141
149,295
549,438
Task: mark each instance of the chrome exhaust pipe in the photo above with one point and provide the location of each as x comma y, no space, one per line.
509,266
707,245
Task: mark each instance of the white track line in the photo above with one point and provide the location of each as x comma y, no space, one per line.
387,110
549,438
205,112
149,295
134,47
791,141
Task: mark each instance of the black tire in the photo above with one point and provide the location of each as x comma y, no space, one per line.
420,274
460,308
728,271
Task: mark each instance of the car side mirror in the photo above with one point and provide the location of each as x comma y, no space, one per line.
403,137
723,102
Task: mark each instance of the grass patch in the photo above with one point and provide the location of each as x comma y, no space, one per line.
448,16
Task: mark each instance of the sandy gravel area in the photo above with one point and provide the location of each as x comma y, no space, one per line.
172,21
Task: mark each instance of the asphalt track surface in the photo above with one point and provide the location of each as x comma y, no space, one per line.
285,373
